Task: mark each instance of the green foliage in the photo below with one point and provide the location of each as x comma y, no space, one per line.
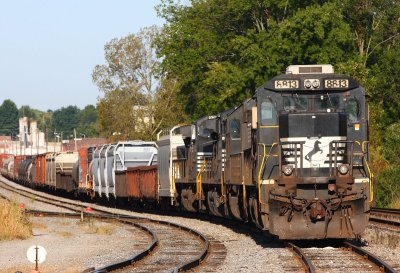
228,48
8,118
63,120
388,187
115,114
27,111
67,119
391,147
386,91
87,122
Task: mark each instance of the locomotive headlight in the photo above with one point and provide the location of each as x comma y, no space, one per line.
343,169
311,83
287,170
315,84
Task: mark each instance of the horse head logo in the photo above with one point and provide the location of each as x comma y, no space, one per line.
315,150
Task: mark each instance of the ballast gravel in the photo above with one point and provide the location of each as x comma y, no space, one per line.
384,242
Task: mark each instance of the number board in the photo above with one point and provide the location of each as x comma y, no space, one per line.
286,84
337,83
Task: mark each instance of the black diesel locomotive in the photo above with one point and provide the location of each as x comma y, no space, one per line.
293,159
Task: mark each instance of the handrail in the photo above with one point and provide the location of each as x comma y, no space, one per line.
352,154
371,175
262,166
199,180
223,185
173,183
260,171
244,190
296,157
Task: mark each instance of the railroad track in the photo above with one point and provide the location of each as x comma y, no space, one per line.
338,257
389,217
174,247
332,259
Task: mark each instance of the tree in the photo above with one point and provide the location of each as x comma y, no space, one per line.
130,81
87,122
27,111
229,48
65,120
375,25
9,123
115,115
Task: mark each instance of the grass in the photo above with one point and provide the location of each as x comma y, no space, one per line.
396,204
92,226
14,224
64,222
65,234
39,226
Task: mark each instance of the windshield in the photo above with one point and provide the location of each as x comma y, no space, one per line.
327,102
295,102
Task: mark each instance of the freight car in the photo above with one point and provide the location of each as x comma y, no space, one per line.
293,159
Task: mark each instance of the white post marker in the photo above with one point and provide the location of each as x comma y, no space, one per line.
36,254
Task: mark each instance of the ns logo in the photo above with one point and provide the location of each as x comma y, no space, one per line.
315,150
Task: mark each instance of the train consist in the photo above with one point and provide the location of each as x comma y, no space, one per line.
293,159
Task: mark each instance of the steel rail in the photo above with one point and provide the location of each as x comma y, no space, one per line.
384,221
389,216
371,257
186,265
385,210
306,261
27,195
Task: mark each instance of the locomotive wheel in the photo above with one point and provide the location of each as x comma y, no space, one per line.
214,203
92,194
234,206
253,211
187,199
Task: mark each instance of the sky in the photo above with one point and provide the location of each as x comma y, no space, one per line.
48,48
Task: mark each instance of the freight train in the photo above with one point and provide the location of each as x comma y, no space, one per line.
293,159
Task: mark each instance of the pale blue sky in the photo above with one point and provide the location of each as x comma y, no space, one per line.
48,48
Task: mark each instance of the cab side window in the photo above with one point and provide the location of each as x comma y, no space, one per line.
235,129
353,110
268,113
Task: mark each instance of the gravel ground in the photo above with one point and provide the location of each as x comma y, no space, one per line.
73,246
385,243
